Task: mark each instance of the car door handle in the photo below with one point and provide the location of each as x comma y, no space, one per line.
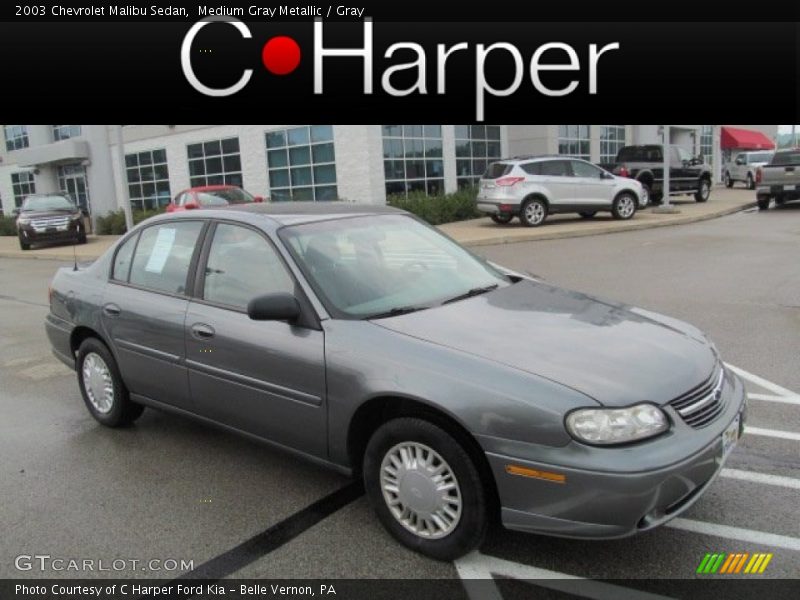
112,310
202,331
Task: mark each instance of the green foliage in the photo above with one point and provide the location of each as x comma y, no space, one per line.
446,208
8,225
113,223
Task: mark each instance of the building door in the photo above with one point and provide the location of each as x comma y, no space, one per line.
72,181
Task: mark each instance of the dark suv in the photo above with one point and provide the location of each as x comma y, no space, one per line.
688,175
49,218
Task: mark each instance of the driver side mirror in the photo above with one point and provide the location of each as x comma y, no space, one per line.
274,307
739,162
258,199
15,212
606,175
191,205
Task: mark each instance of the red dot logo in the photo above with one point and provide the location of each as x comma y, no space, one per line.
281,55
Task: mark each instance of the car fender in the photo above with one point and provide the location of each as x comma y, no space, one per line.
535,188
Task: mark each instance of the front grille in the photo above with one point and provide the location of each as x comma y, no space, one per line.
702,404
45,222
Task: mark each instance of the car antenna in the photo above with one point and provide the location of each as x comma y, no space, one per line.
74,256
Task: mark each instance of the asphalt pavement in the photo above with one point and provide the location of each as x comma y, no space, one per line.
172,489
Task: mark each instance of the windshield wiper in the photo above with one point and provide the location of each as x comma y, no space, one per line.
473,292
395,312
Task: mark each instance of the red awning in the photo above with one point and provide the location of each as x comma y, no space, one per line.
744,139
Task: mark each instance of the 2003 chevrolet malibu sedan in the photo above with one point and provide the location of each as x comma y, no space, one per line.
365,340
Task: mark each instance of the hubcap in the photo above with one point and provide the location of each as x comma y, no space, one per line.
421,490
704,189
534,213
645,197
625,206
98,383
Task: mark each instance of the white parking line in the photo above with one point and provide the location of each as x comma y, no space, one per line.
764,478
761,382
773,433
477,566
782,399
752,536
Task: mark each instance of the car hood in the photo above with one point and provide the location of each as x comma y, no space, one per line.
616,354
38,214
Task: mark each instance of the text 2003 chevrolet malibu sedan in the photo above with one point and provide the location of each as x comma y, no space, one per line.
366,340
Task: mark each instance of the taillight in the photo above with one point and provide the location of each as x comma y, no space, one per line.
759,175
623,172
509,181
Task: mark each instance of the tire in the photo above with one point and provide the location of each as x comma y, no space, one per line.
779,201
588,214
24,245
502,218
95,357
533,212
704,191
624,206
450,538
751,185
763,202
81,236
728,180
645,198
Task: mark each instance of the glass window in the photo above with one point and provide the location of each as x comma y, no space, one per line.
163,256
573,140
557,168
16,137
413,159
241,266
151,168
534,168
64,132
215,162
584,169
612,139
23,184
308,152
481,144
707,144
122,261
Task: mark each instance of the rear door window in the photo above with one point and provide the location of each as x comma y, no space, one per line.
556,168
163,256
534,168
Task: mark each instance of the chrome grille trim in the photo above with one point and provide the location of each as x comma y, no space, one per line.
45,222
702,404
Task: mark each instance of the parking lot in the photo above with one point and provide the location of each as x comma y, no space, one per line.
171,489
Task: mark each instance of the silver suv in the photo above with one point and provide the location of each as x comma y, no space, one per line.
533,187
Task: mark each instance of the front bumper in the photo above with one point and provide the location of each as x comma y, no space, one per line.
34,236
608,500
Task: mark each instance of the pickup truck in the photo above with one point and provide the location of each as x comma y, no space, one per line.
780,179
743,168
687,174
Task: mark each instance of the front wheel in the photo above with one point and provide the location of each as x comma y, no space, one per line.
425,488
624,206
751,185
728,180
763,202
533,212
703,191
101,386
502,218
23,245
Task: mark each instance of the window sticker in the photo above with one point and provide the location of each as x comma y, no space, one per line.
161,250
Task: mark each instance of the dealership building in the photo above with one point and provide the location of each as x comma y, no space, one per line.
357,163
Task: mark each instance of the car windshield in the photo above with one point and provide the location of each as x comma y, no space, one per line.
367,267
224,197
33,203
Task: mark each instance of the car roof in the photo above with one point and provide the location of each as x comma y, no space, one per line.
286,213
535,157
212,188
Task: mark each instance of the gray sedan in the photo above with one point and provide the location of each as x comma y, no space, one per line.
367,341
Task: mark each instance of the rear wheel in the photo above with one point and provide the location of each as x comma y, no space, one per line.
23,244
588,214
101,386
728,180
703,191
763,202
533,212
751,185
502,218
624,206
425,488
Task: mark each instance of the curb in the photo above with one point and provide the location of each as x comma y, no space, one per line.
632,226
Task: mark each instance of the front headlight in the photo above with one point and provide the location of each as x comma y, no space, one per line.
616,425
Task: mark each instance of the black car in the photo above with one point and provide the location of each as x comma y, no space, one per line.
49,218
688,175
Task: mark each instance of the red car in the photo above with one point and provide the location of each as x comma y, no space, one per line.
211,196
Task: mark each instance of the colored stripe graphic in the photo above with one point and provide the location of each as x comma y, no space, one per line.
724,563
741,562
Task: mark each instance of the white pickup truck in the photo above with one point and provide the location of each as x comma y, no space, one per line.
780,179
743,168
